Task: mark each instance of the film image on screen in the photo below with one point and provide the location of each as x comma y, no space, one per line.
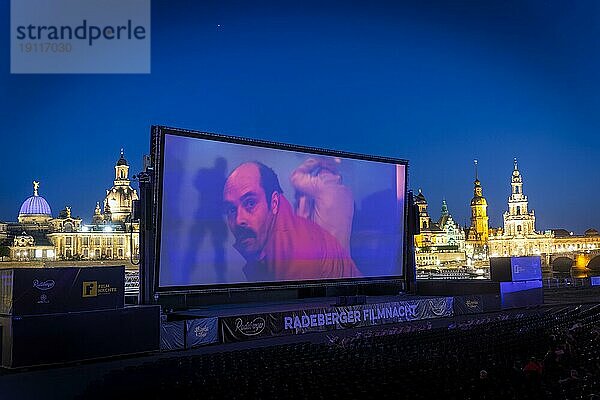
238,213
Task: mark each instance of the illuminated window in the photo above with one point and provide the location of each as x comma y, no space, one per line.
86,241
120,253
38,253
68,240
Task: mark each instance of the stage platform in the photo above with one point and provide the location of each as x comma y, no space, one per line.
224,323
229,310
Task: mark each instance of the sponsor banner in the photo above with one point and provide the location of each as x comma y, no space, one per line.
366,315
172,335
52,290
468,305
201,331
331,318
246,327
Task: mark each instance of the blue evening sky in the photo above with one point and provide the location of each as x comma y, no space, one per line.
439,83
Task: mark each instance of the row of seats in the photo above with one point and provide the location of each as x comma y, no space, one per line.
480,358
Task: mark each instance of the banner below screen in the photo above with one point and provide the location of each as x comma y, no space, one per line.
255,326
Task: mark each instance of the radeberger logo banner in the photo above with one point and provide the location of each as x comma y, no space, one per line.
330,318
250,328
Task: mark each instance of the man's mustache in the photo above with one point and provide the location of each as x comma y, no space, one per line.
242,233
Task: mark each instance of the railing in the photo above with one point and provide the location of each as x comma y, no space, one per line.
451,274
566,282
132,283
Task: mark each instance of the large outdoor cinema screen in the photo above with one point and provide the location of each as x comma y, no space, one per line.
241,212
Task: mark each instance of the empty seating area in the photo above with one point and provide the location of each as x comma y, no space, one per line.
389,362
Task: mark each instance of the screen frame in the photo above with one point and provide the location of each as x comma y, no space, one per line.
157,145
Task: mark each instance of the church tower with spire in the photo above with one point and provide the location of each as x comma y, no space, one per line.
519,237
479,230
424,219
119,199
518,220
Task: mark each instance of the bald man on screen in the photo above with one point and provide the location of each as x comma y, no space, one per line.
277,244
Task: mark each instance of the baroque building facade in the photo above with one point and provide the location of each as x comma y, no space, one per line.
562,252
518,237
112,235
440,243
557,248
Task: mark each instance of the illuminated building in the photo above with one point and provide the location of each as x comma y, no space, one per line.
27,239
518,221
477,235
119,199
440,243
560,250
37,236
28,246
519,237
3,231
111,235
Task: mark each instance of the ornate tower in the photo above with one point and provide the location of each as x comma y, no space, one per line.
518,221
98,218
118,201
423,238
455,236
479,230
444,212
121,170
424,219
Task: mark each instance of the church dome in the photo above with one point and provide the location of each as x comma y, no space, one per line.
122,160
35,205
420,199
